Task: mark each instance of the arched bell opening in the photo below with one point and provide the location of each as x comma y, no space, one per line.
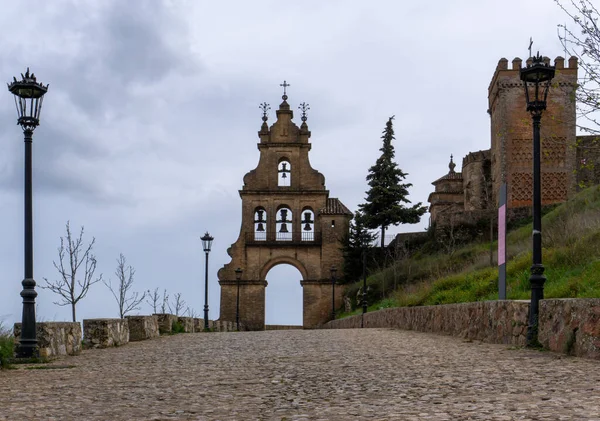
308,224
283,224
260,224
284,173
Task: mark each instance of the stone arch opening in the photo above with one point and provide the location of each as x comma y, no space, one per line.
284,173
284,223
283,295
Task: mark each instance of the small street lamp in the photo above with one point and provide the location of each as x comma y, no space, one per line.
536,79
364,293
29,95
333,271
238,277
206,245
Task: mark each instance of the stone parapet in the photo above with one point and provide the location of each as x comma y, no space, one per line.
165,322
55,338
502,322
142,327
571,325
105,333
187,323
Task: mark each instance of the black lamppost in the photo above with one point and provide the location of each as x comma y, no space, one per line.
29,95
206,245
333,271
536,78
238,277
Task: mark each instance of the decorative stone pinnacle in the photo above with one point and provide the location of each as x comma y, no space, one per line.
451,165
285,85
304,108
265,108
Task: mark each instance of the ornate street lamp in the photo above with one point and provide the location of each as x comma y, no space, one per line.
206,245
238,277
536,79
333,271
29,95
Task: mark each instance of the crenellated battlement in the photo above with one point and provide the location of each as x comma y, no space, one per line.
478,156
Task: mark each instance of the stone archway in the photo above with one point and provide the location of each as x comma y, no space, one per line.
269,237
283,296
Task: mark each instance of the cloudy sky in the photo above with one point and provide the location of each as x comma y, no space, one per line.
151,120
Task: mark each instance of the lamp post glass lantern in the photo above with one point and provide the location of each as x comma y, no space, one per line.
536,79
238,277
333,271
29,95
207,240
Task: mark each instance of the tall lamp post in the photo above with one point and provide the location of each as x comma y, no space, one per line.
207,240
333,271
536,79
238,277
29,95
364,293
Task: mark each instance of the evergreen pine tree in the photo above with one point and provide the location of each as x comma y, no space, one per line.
386,198
358,239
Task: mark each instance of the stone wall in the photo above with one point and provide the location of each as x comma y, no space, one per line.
571,325
55,338
165,322
142,327
105,333
187,323
502,322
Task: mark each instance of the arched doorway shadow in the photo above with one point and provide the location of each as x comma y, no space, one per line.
283,296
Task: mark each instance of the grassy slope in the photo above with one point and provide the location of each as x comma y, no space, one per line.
571,255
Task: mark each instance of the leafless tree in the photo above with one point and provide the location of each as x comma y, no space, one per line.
178,304
72,254
191,312
153,299
165,303
127,300
584,42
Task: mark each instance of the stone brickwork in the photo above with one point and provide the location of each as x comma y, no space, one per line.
105,333
55,338
503,322
142,328
307,236
571,325
165,322
187,323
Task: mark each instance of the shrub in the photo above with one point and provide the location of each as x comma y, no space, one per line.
6,346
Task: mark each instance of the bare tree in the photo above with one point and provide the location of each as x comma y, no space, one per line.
127,300
584,43
165,303
191,312
71,288
178,304
153,299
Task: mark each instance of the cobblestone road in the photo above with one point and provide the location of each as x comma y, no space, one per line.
372,374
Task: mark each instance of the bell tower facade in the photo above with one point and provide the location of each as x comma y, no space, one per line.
287,218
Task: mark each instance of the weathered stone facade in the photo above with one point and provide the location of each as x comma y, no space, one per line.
55,338
510,156
287,218
105,333
142,327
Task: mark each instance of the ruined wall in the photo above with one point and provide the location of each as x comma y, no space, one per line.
55,338
477,181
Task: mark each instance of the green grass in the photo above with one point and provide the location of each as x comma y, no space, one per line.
6,346
571,255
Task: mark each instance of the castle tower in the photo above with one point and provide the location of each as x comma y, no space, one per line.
512,134
287,217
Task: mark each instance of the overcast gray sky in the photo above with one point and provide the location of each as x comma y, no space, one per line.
151,120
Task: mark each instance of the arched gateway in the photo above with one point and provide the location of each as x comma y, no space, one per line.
287,217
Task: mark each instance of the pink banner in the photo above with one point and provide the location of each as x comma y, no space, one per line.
501,235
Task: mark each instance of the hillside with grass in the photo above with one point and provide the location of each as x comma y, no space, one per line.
571,256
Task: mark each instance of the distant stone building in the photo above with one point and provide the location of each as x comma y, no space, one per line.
567,160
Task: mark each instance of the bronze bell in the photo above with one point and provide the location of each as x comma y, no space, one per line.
260,227
283,228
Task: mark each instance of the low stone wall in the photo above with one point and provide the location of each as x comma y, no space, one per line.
282,327
199,324
165,322
105,333
142,328
187,323
55,338
502,322
571,325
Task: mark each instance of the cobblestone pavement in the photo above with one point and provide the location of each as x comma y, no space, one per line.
371,374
